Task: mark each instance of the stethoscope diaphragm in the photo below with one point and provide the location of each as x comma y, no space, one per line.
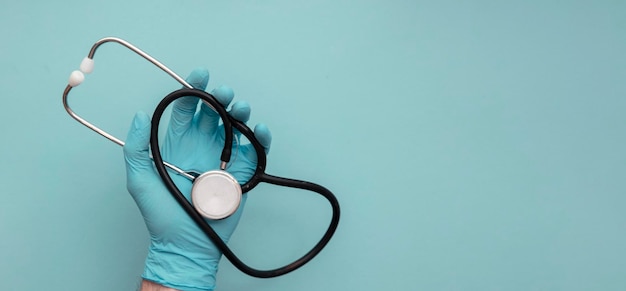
216,194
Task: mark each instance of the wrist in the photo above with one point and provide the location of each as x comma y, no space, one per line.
151,286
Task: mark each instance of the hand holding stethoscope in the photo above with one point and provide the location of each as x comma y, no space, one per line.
216,194
193,141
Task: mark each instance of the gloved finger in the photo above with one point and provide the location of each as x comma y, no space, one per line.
240,111
264,136
209,119
184,108
136,152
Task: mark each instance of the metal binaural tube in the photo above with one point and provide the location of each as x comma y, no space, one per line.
85,122
141,53
187,174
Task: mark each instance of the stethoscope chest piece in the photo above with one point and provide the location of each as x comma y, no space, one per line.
216,194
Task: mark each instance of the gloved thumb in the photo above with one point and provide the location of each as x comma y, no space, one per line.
136,151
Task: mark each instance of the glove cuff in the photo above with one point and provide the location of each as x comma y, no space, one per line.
180,272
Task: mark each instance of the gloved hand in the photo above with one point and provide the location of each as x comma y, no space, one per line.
180,255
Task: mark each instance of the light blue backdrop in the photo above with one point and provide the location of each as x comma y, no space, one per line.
473,145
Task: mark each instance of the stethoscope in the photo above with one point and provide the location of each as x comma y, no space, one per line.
215,194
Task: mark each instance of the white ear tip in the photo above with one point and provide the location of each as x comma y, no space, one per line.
86,66
76,78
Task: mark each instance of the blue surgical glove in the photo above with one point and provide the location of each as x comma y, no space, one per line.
180,255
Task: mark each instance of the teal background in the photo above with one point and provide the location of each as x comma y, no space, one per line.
473,145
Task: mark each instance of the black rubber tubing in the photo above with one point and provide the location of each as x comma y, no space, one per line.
259,176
